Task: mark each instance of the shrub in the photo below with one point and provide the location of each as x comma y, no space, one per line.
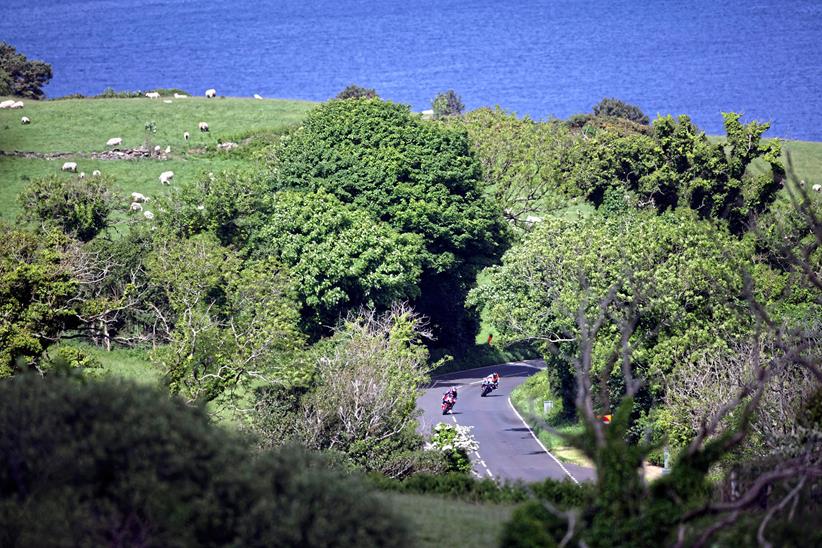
108,463
354,91
80,207
620,109
455,442
447,103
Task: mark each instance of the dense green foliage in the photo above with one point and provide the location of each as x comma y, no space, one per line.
110,463
80,207
681,274
620,109
353,91
339,255
447,103
37,284
358,396
419,177
21,76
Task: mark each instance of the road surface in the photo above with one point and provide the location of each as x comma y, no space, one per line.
507,448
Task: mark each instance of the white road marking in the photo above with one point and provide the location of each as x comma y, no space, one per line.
479,458
540,443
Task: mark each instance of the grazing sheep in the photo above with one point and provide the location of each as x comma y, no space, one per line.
82,174
802,183
180,96
6,104
96,173
18,104
69,166
114,142
203,127
256,96
211,93
25,120
157,149
137,197
136,206
166,177
817,188
186,135
153,95
168,150
148,215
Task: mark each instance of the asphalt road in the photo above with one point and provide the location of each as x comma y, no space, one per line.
507,448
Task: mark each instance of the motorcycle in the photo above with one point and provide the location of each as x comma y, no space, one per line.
488,387
447,405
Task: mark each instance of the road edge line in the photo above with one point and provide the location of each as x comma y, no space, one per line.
514,409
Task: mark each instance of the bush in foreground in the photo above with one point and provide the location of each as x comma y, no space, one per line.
115,464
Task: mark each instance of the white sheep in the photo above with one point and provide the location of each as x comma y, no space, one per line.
69,166
25,120
96,173
166,177
137,197
148,215
153,95
186,135
82,174
203,127
18,104
136,206
257,96
168,150
180,96
157,149
211,93
114,142
6,104
817,188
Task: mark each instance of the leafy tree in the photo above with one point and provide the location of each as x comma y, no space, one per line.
447,103
339,255
37,286
683,273
362,401
353,91
419,177
679,165
620,109
228,322
104,463
21,76
521,160
80,207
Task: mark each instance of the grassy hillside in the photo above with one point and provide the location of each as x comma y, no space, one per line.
75,128
84,125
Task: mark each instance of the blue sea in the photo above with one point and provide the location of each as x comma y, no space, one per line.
538,57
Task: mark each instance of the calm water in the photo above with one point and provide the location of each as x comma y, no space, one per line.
535,57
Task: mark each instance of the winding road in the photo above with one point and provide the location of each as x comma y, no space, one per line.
508,450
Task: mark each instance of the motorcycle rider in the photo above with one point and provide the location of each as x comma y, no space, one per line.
492,379
450,396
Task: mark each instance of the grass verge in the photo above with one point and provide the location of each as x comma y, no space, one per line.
437,521
528,399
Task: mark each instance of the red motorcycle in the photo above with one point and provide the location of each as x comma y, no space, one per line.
448,404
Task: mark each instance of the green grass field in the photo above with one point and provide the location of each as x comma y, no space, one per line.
437,521
78,127
84,125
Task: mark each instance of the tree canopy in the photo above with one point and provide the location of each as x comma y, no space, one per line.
419,177
21,76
